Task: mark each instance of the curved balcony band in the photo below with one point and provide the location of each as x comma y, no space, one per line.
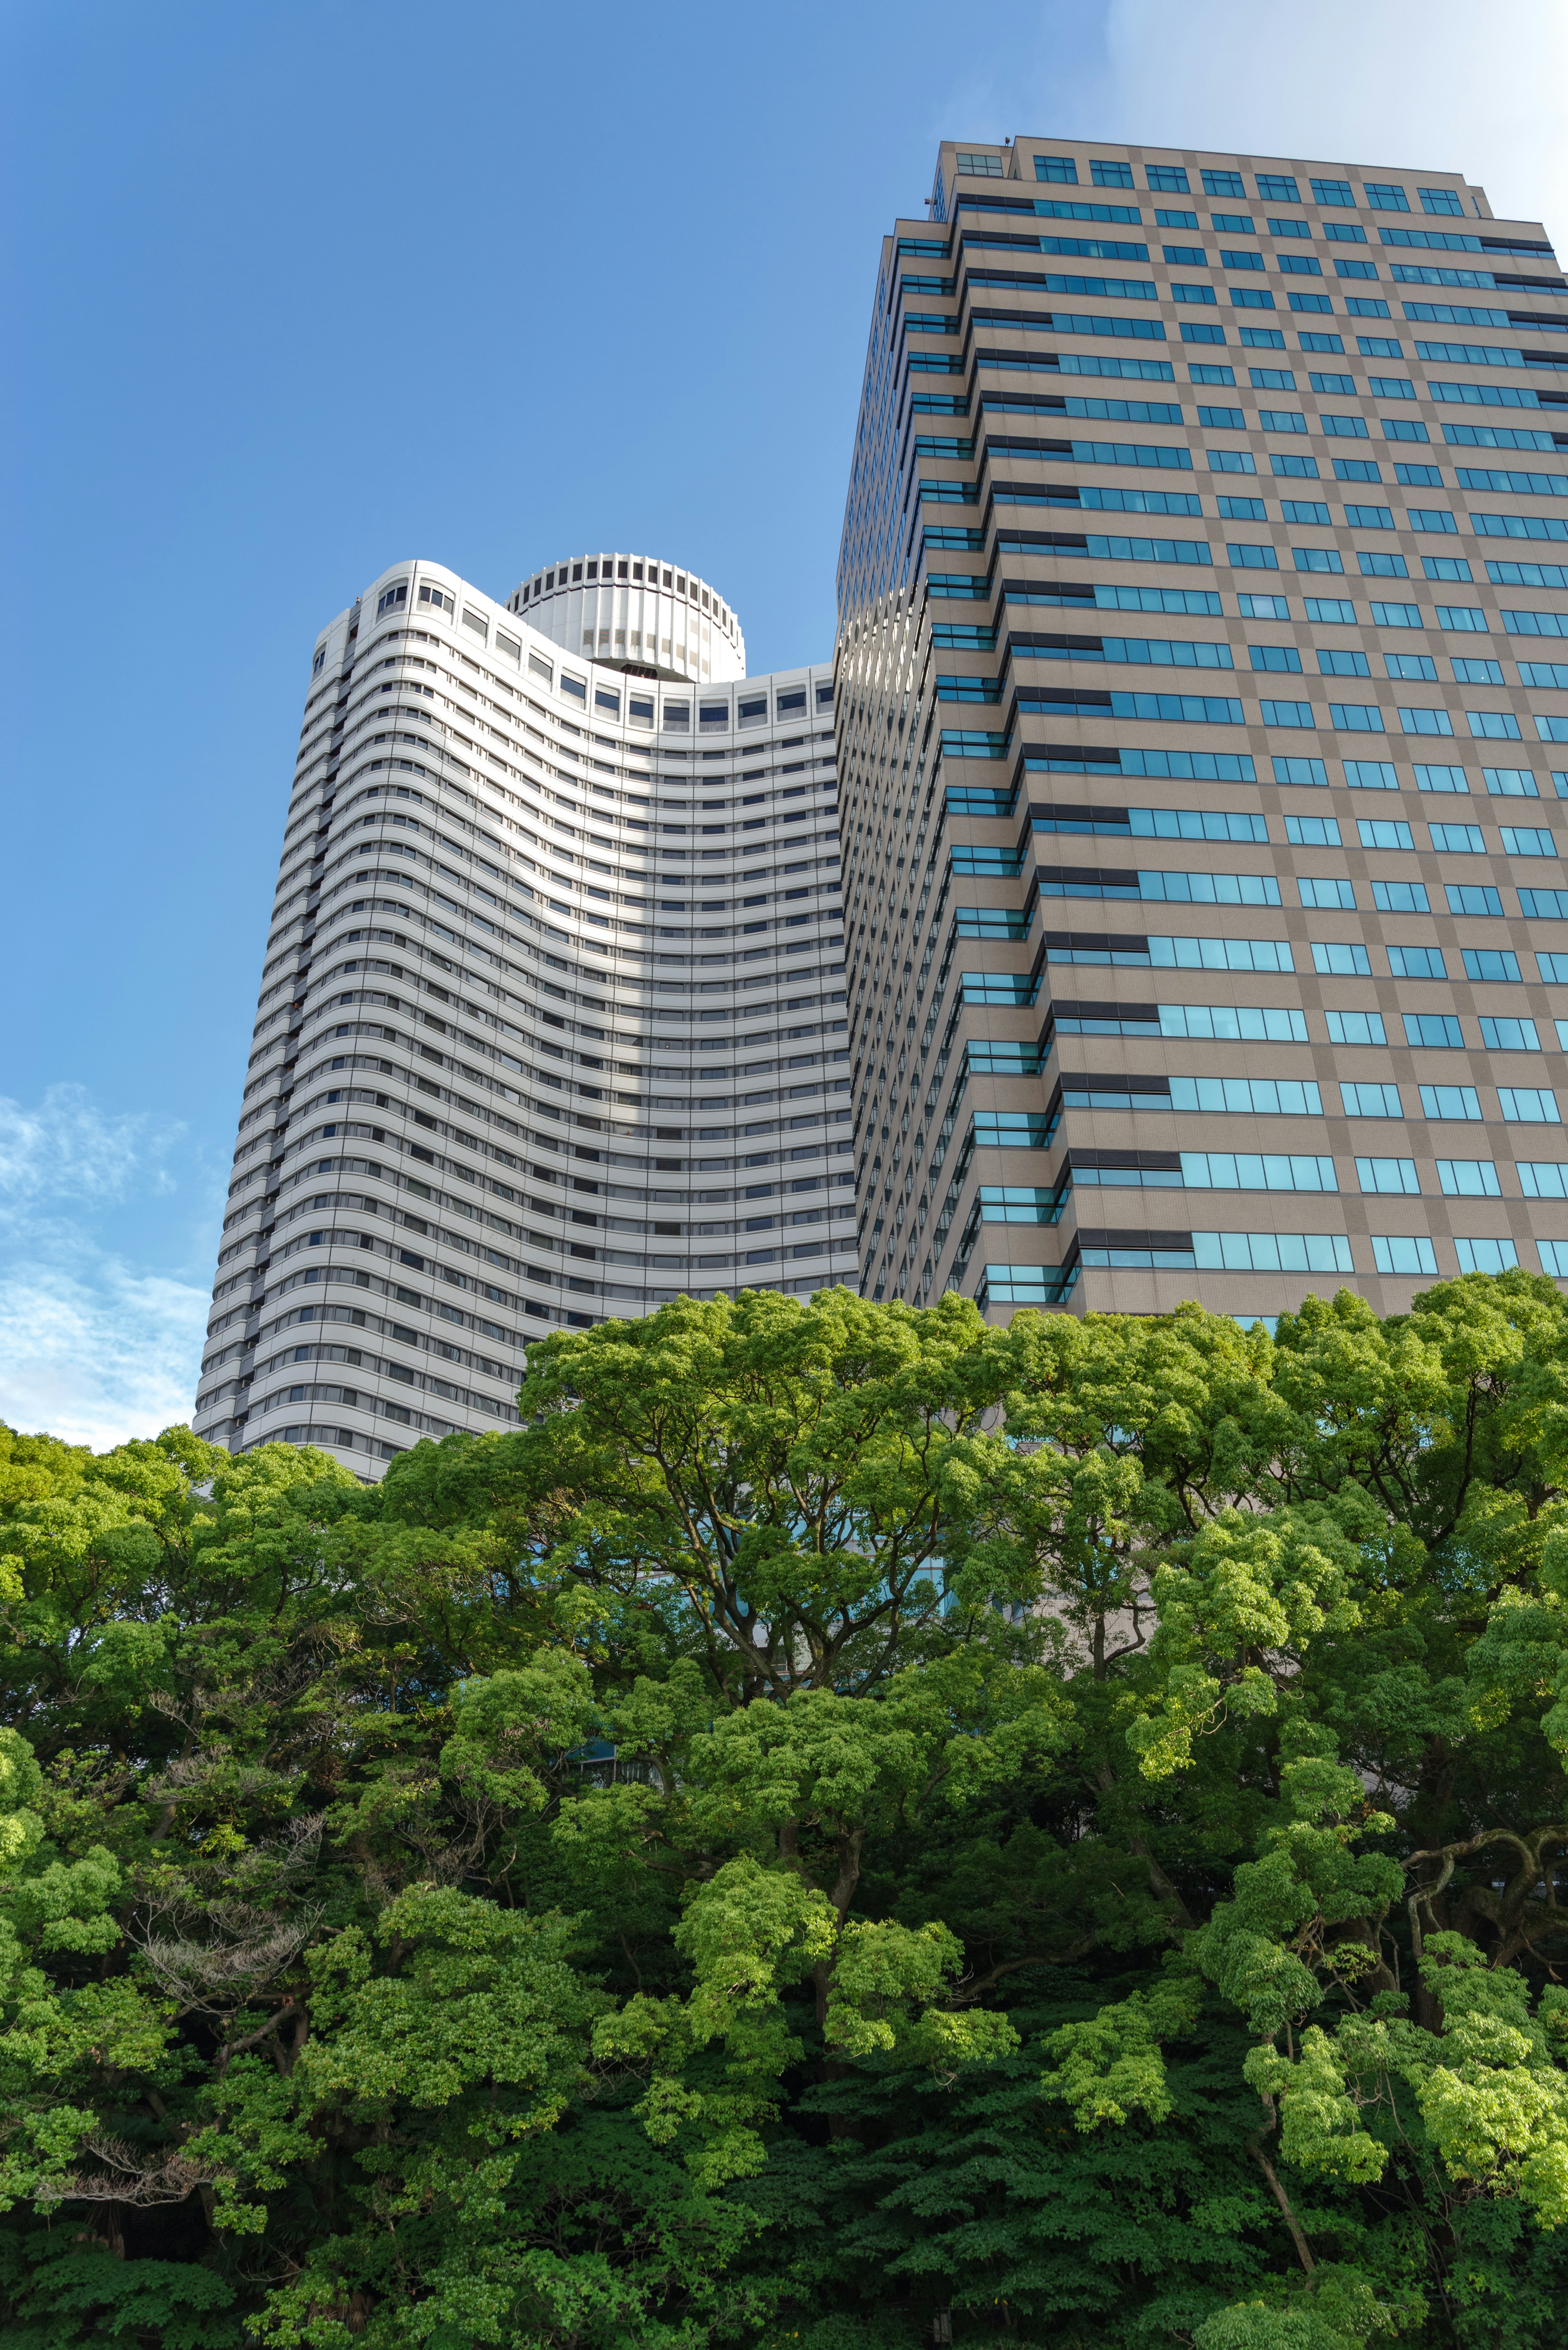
551,1023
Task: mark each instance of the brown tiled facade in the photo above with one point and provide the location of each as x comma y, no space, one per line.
1203,730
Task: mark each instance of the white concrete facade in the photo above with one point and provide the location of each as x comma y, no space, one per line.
551,1023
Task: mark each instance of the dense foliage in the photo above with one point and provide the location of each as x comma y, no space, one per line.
849,1828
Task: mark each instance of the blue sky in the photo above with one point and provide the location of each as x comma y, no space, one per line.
294,293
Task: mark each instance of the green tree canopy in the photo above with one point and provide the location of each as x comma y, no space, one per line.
848,1827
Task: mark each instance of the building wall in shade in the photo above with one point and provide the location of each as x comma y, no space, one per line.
1202,734
551,1025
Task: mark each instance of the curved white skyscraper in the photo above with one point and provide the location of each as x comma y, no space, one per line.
552,1020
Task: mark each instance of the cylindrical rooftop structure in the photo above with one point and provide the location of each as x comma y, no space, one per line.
635,612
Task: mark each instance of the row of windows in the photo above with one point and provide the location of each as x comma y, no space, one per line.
1003,1129
1330,892
1273,187
1259,1024
1337,611
789,703
1249,1171
1186,652
1205,710
1330,959
1322,1253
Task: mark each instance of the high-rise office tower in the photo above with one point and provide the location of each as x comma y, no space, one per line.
551,1023
1203,716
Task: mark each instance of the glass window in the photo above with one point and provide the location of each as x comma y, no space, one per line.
1383,196
1383,832
1382,1174
1313,832
1529,1106
1451,1102
1167,178
1060,168
1337,959
1371,1102
1107,174
1295,769
1439,1030
1503,1035
1417,962
1397,1253
1277,188
1485,1256
981,167
1442,200
1223,184
1376,566
1470,1179
1527,840
1489,962
1333,193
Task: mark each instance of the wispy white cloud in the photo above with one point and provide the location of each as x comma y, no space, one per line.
1439,84
1414,83
93,1346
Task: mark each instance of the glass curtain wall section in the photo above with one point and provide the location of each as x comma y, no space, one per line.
551,1025
1202,737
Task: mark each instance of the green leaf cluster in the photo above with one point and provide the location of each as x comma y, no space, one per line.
847,1827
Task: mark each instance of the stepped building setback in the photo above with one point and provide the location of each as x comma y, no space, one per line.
1203,731
1197,704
